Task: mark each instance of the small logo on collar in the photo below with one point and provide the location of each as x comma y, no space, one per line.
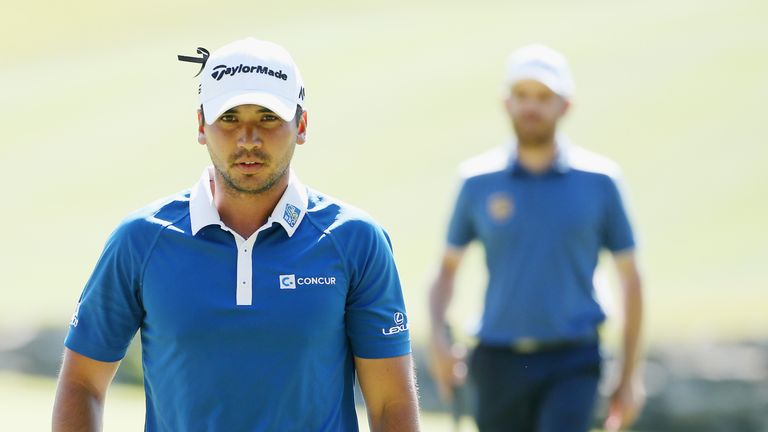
291,214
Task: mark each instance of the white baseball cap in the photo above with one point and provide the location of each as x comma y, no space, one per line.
250,71
543,64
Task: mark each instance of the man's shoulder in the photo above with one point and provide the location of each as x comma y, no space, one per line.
491,163
589,162
332,215
155,216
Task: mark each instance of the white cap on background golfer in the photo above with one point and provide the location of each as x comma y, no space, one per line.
543,64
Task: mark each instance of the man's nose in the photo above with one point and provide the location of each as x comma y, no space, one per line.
530,104
249,137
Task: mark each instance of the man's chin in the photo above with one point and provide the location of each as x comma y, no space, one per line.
250,184
534,135
252,188
535,140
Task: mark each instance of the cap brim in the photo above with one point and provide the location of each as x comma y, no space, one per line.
285,108
546,78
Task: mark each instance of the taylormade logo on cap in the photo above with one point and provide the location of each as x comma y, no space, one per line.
222,70
250,72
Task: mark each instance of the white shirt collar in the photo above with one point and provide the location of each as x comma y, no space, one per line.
289,211
562,159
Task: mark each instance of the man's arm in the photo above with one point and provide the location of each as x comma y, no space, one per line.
389,389
446,361
627,398
83,383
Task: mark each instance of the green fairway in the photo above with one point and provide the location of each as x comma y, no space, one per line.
99,119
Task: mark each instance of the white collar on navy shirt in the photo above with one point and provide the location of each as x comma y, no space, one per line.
562,160
202,210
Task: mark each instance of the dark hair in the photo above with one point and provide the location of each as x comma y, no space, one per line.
296,116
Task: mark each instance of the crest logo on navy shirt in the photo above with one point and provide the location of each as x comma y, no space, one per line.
291,214
500,206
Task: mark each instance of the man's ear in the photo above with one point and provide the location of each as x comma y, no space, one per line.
301,136
508,105
200,128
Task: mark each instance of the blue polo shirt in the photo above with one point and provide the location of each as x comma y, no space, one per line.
239,334
542,234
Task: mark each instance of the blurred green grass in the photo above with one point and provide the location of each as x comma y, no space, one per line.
32,401
399,95
124,409
98,119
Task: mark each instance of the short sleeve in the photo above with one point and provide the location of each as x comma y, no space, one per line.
617,230
376,320
109,311
461,227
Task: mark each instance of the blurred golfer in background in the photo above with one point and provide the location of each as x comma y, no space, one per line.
543,209
258,300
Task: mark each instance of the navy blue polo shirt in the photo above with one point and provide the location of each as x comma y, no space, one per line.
542,235
237,334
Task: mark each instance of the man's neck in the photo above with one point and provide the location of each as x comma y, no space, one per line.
537,157
242,212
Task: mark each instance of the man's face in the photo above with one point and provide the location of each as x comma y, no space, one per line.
534,110
251,147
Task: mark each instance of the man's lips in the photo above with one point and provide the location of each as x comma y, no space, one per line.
249,165
533,118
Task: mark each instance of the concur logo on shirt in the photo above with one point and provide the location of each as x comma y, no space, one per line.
400,325
290,281
287,281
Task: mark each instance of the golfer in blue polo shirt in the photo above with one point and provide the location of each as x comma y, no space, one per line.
543,209
259,301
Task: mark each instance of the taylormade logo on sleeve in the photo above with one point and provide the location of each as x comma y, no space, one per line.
221,71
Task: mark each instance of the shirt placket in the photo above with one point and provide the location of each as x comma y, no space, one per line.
244,281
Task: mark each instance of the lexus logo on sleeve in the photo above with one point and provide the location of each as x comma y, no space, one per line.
400,325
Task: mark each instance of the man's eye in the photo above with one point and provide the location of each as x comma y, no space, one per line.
269,117
228,118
